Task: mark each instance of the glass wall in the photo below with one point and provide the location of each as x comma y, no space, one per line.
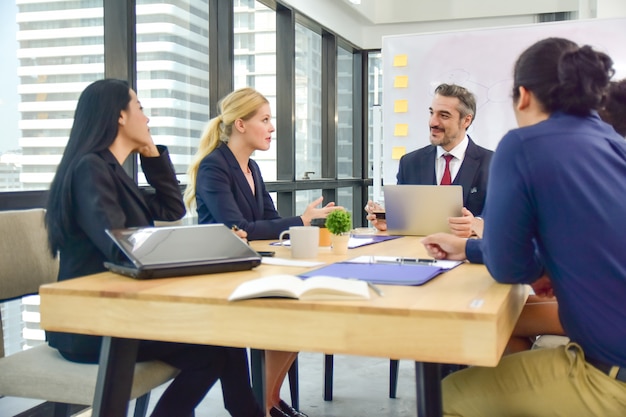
50,52
374,101
173,74
345,108
308,108
255,64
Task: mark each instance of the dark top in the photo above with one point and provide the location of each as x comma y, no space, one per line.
418,167
105,197
223,195
556,204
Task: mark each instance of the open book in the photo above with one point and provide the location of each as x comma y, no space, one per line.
291,286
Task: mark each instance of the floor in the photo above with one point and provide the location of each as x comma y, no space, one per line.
361,388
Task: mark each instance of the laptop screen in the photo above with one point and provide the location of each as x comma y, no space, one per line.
174,245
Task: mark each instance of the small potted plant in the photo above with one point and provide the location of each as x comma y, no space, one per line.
339,223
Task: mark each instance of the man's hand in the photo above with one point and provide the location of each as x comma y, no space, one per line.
478,225
372,208
462,226
445,246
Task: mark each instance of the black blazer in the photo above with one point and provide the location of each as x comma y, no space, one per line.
418,167
105,197
223,195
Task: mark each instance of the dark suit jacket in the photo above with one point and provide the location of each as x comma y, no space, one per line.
418,167
224,196
105,197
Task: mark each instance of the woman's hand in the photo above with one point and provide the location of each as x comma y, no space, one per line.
312,212
242,234
149,151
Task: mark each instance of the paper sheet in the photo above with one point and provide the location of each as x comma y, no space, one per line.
289,262
401,129
401,81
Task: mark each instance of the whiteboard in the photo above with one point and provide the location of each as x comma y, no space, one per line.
480,60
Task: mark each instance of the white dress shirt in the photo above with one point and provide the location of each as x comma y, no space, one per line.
458,152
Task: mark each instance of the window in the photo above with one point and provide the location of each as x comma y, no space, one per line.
56,51
308,102
173,75
255,65
345,110
374,100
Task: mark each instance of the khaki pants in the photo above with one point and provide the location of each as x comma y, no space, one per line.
544,382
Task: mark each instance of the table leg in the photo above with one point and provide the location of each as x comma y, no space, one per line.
257,369
428,383
115,377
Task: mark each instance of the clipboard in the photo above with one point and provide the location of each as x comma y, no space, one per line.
385,273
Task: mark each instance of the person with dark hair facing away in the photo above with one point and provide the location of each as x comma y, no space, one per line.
614,109
452,158
91,192
540,314
555,219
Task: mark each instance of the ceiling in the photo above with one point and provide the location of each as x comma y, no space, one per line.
381,12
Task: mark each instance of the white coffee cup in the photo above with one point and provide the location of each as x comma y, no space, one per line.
304,241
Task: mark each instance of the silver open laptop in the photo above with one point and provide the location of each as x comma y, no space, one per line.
421,209
159,252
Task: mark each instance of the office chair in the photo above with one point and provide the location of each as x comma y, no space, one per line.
41,372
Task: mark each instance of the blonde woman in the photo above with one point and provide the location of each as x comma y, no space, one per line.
226,186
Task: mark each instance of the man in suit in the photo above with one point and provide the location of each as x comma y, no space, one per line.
451,113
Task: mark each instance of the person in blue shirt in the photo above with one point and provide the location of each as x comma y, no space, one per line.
540,314
558,224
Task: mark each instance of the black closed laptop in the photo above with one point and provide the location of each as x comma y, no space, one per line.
161,252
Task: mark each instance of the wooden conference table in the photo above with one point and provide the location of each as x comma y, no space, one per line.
462,316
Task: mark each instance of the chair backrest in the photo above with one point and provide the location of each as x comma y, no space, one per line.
24,256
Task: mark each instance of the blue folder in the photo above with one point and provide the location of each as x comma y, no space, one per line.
380,273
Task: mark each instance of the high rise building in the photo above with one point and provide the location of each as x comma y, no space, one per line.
61,51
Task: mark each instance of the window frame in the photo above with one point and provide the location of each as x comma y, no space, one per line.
120,62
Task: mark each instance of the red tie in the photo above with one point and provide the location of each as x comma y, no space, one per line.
447,178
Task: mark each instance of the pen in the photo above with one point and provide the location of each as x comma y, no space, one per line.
416,261
375,288
426,261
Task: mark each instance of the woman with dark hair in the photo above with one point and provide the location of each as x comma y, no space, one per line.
614,109
91,192
555,219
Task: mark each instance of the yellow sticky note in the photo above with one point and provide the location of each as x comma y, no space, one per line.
401,129
400,60
401,106
401,81
397,152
